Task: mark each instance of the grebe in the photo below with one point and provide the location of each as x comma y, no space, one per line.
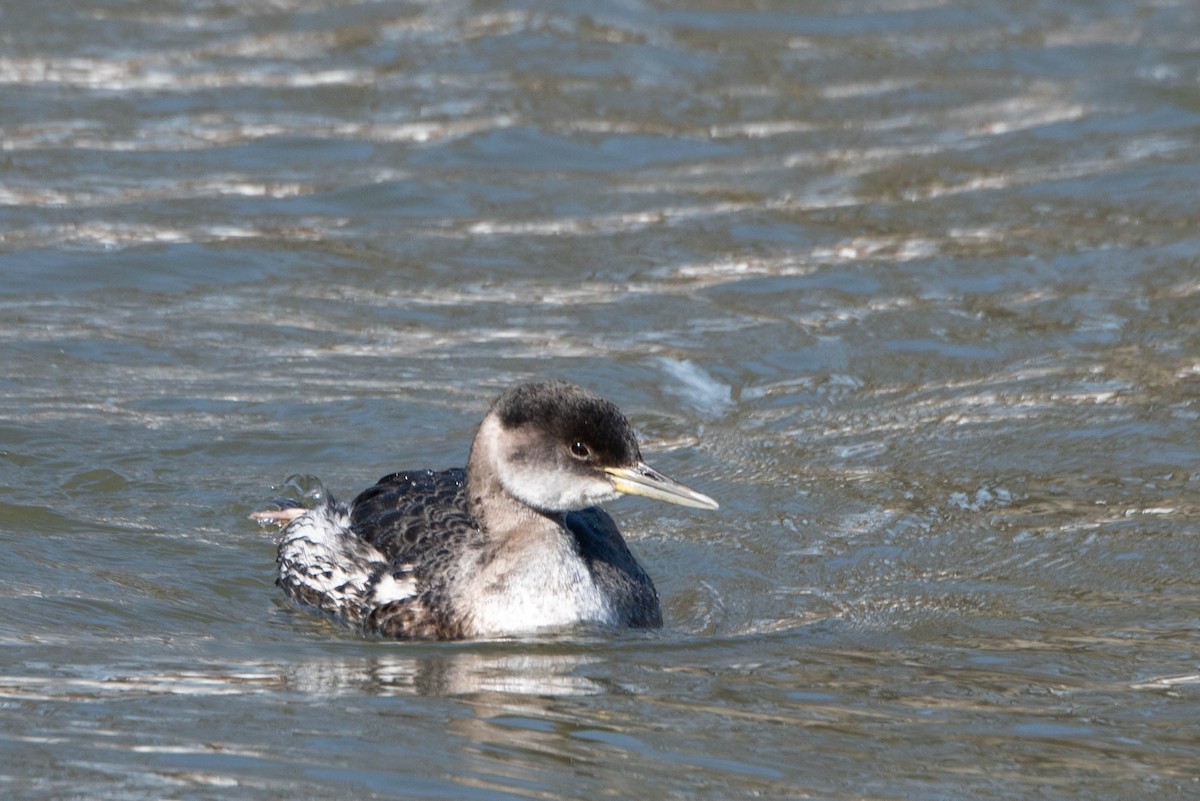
514,543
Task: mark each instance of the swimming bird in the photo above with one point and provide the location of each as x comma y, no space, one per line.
514,543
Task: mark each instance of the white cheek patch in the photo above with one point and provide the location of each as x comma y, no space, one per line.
550,489
537,479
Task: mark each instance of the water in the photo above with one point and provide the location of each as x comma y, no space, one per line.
910,287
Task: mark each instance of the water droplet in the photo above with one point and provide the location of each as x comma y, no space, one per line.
303,488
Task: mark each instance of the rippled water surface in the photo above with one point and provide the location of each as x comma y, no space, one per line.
912,287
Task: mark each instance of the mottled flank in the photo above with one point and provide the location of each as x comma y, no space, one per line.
420,524
323,563
512,544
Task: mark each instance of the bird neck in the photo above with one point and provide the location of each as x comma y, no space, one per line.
494,508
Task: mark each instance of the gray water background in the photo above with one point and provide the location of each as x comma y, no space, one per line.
910,286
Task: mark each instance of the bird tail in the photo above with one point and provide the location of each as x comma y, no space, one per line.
324,564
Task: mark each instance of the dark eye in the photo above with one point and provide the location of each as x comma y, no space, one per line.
579,450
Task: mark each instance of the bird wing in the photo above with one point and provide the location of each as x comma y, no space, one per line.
419,521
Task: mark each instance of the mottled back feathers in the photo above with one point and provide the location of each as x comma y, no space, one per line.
419,523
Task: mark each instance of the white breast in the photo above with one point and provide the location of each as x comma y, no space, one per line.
546,587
